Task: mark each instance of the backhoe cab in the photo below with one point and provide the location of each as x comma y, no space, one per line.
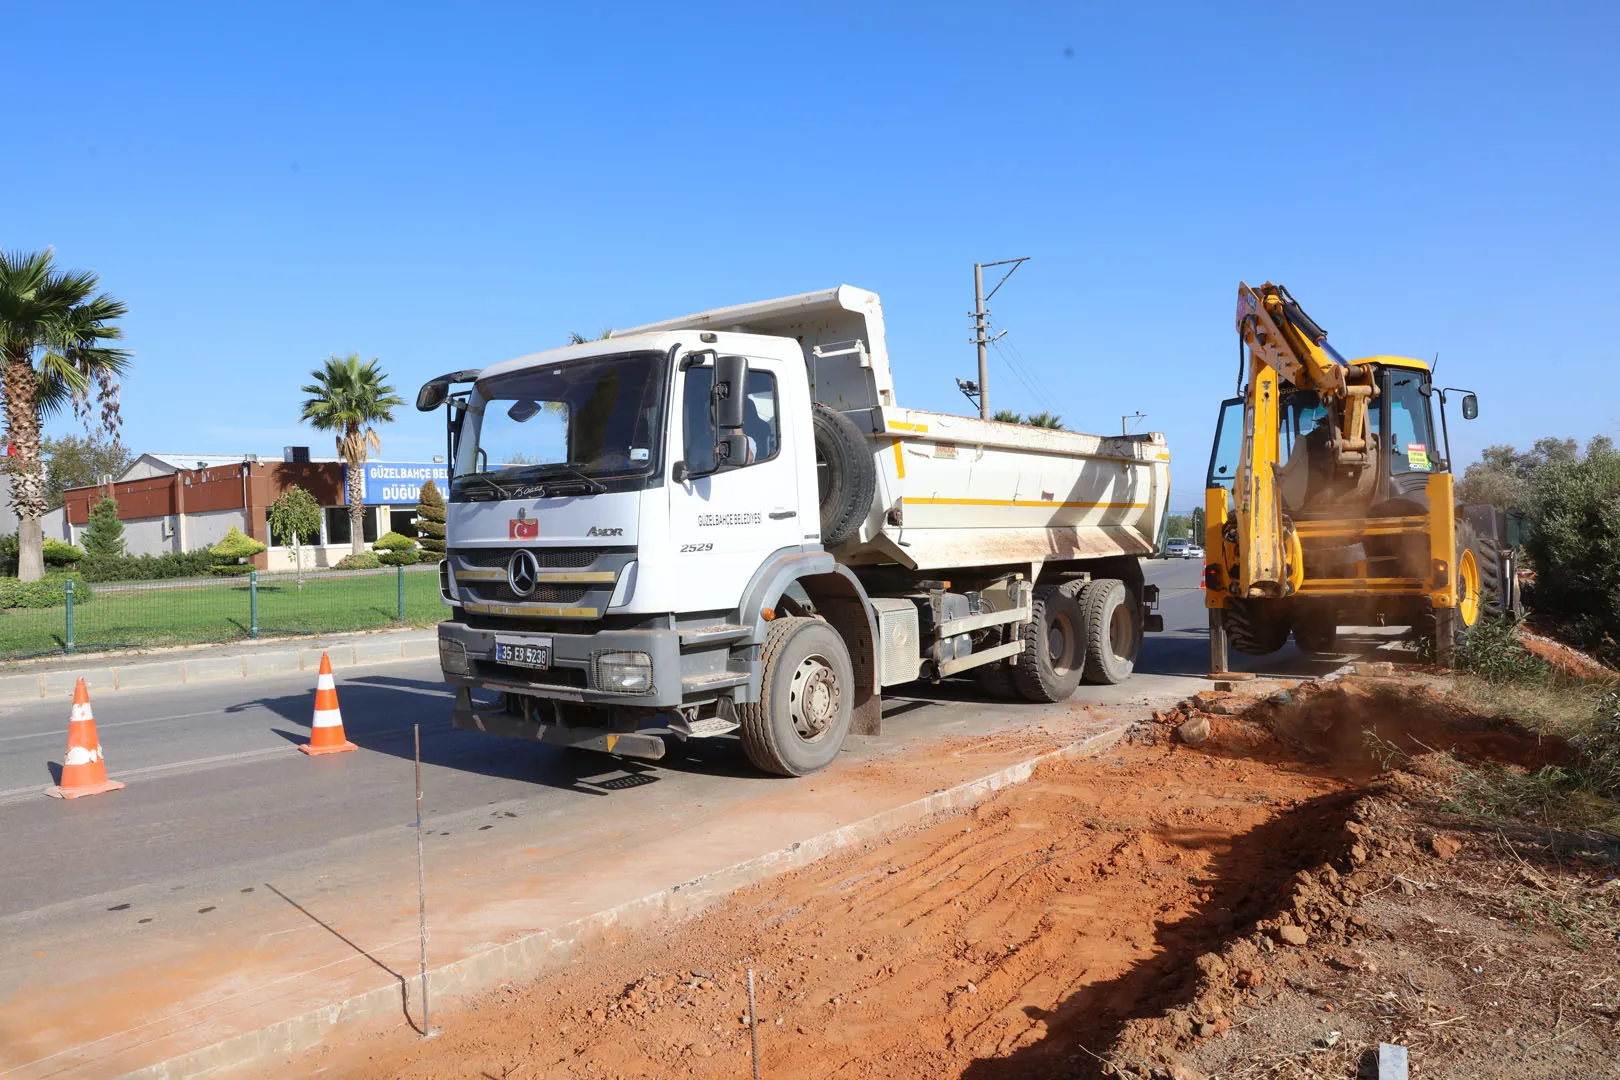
1329,499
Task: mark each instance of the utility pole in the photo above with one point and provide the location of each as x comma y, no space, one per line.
1124,421
981,315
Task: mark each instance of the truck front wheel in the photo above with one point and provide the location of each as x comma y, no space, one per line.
805,699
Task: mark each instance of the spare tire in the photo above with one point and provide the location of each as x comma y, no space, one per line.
846,475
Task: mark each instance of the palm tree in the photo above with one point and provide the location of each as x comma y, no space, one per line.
348,397
1007,416
1045,419
52,327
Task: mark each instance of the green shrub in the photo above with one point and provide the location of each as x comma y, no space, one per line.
49,591
394,549
171,564
393,541
104,537
1492,650
232,553
1574,545
61,553
428,555
430,517
1599,748
366,560
8,554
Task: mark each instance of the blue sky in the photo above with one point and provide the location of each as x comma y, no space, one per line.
450,185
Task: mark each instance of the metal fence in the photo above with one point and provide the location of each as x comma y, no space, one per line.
120,615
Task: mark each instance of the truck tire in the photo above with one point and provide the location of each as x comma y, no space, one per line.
996,680
1255,627
1113,621
845,474
1054,655
806,699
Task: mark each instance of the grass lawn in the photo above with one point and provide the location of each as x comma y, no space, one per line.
218,611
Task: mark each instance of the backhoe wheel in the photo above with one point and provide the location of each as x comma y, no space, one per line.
1256,627
1315,631
805,701
1441,630
1113,630
1054,653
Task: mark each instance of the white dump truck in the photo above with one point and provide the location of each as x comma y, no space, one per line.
725,523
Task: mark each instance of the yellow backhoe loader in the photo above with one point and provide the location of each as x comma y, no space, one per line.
1329,500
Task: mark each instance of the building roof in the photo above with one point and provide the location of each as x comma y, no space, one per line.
148,465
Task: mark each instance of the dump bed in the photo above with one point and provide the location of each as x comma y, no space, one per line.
956,491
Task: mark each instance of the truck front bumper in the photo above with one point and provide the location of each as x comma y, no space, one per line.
579,664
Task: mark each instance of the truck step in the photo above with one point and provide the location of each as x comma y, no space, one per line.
714,635
695,684
707,729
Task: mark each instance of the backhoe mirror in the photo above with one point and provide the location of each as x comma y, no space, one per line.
1470,406
730,382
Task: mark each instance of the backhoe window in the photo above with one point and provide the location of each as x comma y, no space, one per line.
1410,445
1223,459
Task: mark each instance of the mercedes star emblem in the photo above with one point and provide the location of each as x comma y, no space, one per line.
522,572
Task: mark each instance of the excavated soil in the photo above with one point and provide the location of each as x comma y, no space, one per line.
1154,912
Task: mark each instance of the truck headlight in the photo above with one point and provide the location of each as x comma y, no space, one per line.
453,656
623,672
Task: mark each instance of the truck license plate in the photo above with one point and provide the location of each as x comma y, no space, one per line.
531,654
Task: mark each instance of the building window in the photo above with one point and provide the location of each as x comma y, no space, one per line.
337,525
403,521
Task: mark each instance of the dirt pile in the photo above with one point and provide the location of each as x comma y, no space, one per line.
1271,903
1419,927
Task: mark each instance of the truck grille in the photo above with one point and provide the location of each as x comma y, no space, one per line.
548,558
499,592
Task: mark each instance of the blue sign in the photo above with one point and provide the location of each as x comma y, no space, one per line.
398,483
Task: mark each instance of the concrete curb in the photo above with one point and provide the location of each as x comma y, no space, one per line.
402,645
540,953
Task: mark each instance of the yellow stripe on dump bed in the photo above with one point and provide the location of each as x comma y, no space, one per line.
1036,503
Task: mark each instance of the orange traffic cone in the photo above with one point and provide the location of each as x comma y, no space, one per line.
326,732
84,770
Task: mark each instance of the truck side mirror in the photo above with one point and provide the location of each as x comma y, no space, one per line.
1470,406
432,395
730,382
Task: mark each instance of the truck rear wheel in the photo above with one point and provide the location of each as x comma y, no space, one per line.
1054,653
1255,627
806,699
1113,631
846,476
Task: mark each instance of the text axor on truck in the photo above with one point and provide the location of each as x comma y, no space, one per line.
724,522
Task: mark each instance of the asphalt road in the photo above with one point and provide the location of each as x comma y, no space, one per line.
215,791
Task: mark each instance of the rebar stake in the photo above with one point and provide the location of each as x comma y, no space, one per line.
753,1024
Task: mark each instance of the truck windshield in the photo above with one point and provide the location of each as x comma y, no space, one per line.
572,428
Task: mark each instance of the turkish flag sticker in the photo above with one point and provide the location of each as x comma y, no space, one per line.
523,529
